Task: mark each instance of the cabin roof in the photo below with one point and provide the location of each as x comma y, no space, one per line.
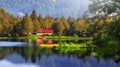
46,31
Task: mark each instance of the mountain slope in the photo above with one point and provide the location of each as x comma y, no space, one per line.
54,8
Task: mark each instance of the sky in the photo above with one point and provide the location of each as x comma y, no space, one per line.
55,8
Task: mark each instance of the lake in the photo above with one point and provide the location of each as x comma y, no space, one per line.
26,53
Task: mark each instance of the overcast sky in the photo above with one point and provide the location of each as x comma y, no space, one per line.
56,8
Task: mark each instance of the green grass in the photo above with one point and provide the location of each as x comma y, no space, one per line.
68,37
64,44
34,37
71,47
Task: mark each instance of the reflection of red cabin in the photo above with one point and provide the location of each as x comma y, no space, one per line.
45,32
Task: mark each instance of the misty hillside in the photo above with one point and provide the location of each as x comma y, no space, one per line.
54,8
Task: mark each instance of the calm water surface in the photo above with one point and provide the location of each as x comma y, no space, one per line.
27,54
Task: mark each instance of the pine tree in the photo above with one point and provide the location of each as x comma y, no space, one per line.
1,29
65,23
60,27
27,25
33,15
35,21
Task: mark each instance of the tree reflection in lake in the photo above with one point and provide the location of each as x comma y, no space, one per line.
52,57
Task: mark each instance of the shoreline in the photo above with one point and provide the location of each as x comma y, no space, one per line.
34,37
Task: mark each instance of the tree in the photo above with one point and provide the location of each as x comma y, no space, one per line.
18,29
33,15
94,5
37,26
96,26
110,34
113,29
109,6
1,29
65,23
5,21
48,21
6,27
27,25
71,20
54,27
35,21
40,19
85,16
83,26
60,27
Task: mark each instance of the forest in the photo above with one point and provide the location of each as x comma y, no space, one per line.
99,27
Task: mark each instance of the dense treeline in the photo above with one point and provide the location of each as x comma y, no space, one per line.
28,25
110,34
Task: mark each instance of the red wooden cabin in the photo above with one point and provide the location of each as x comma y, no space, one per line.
45,32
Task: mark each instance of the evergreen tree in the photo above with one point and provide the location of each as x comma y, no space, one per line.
1,29
33,15
37,26
60,27
83,26
6,27
35,21
27,25
48,21
65,23
40,20
96,26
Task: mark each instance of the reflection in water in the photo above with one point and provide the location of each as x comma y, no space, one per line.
41,40
65,61
5,63
26,56
49,57
6,43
